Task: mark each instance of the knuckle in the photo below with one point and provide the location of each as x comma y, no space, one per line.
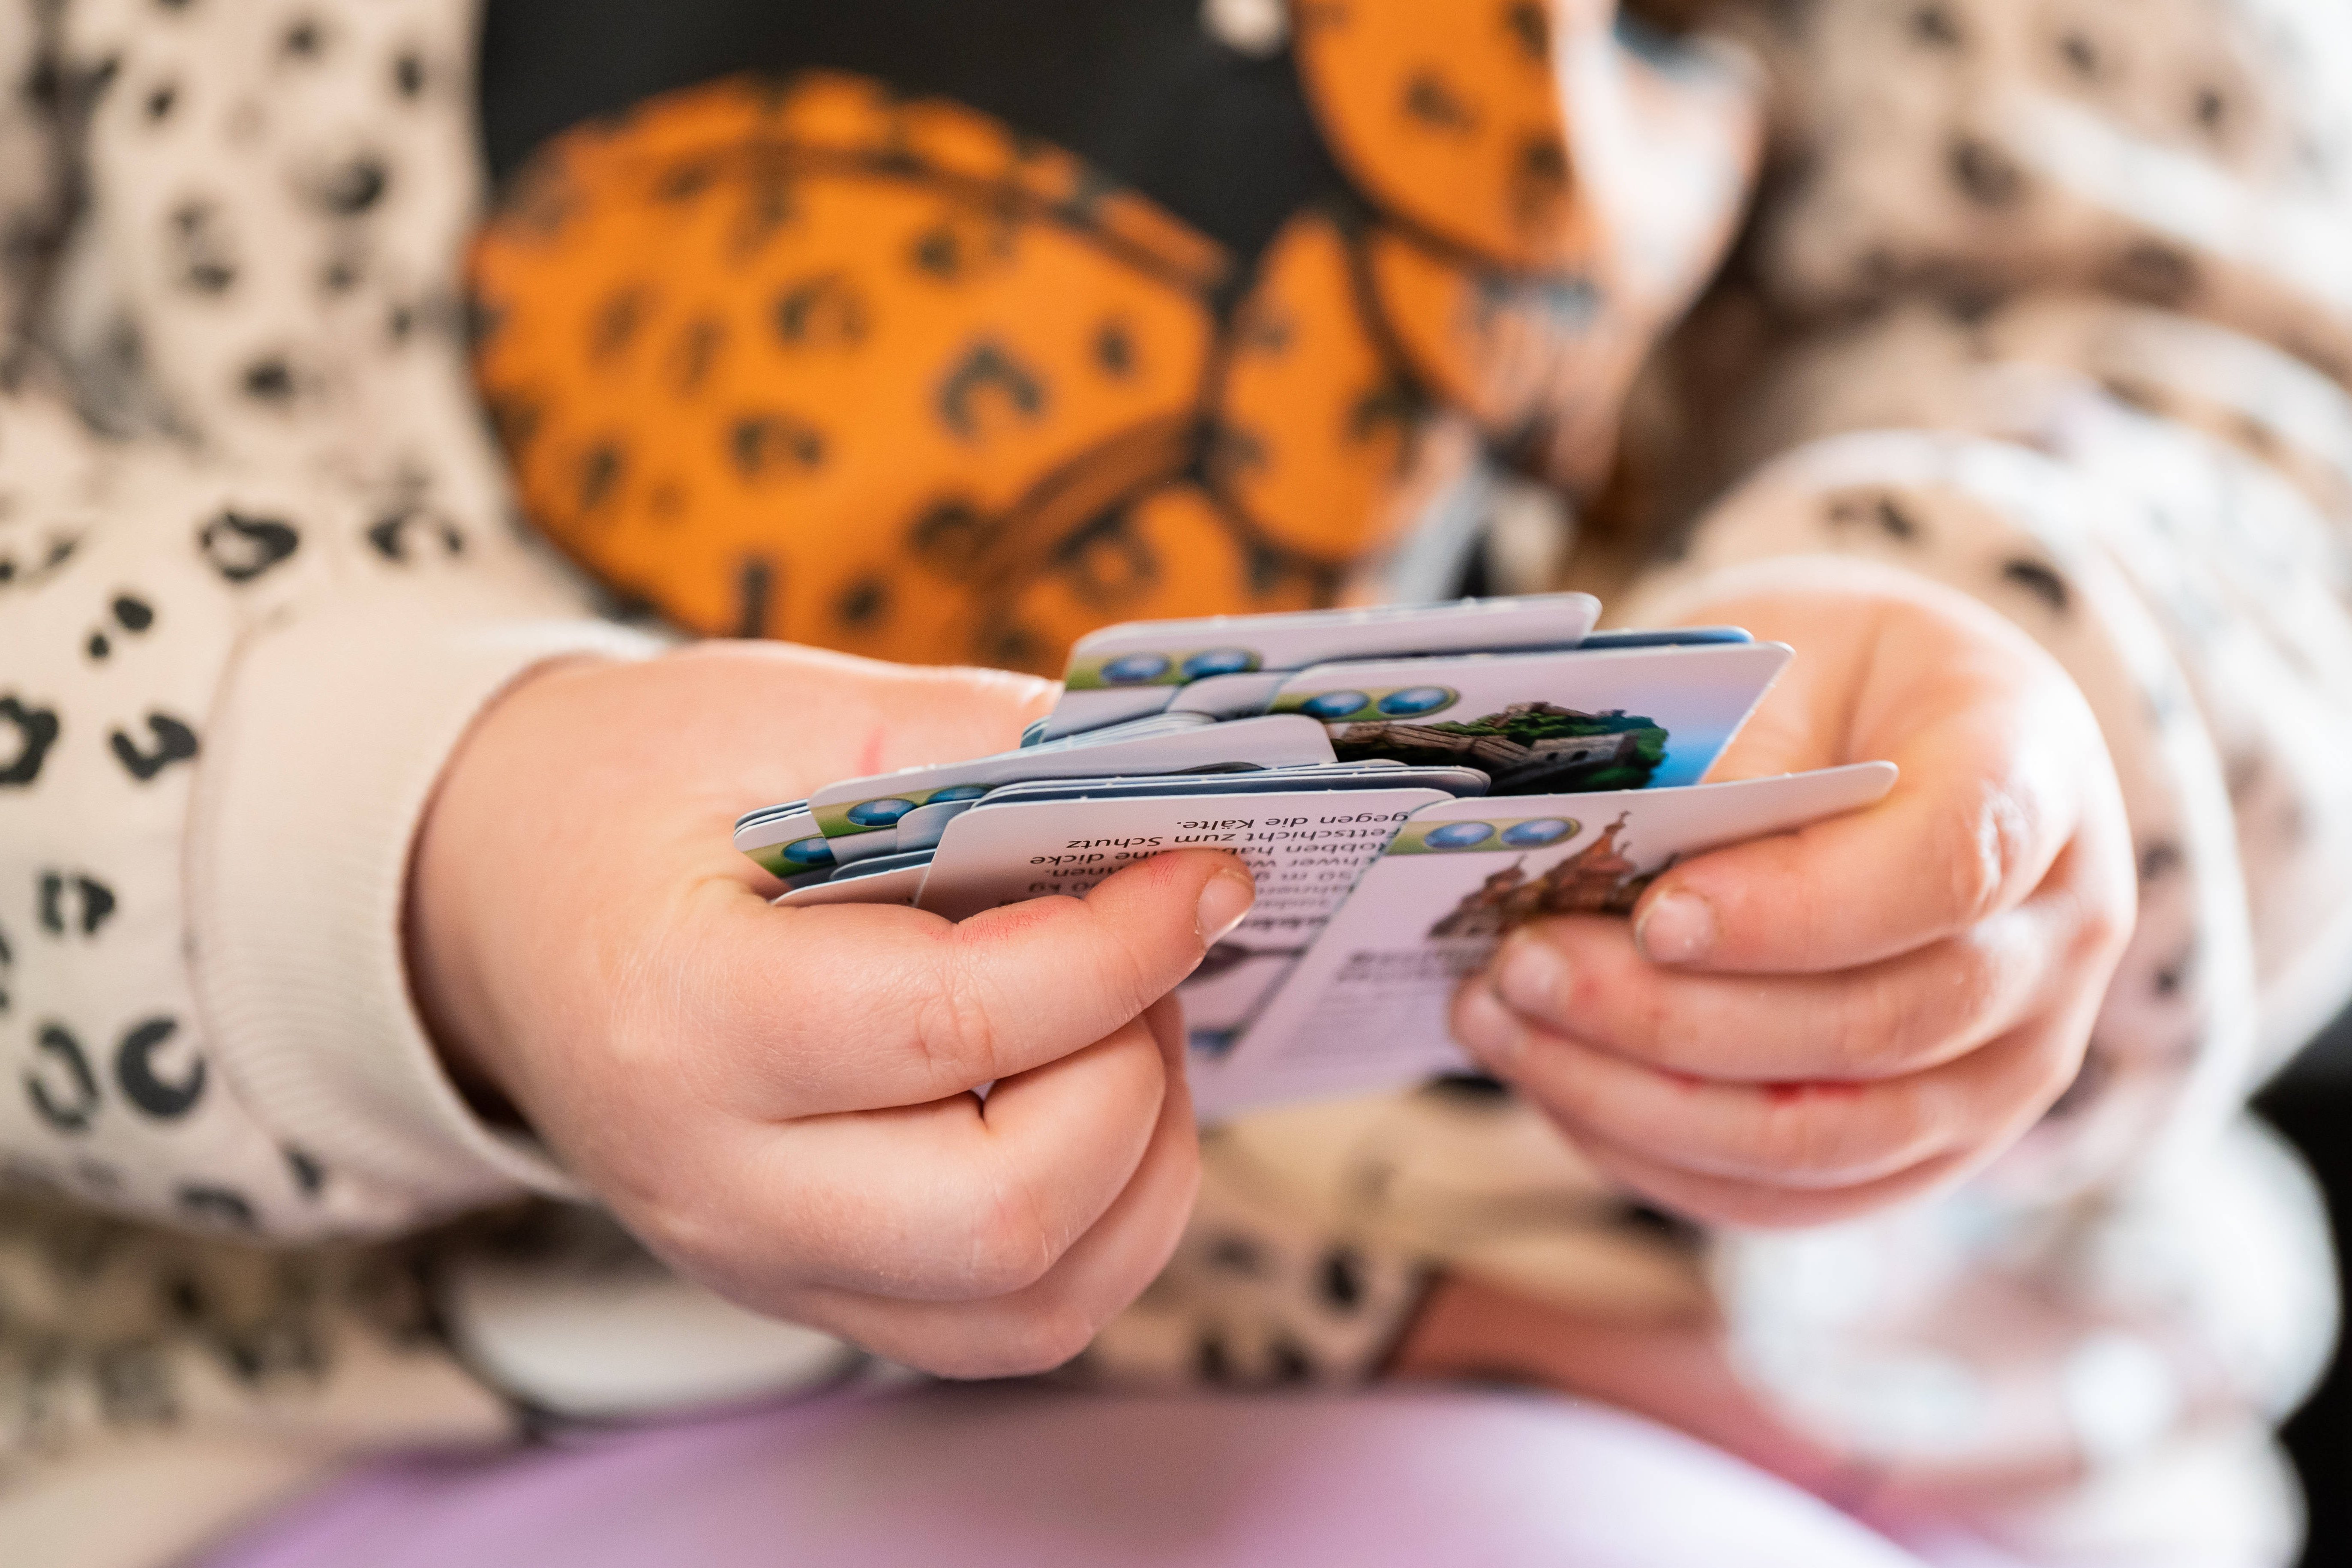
953,1029
1812,1135
1649,1002
1981,979
1857,1032
1904,1019
1127,969
2103,927
1863,1027
1987,840
1010,1251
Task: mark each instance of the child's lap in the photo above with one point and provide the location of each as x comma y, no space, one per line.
986,1477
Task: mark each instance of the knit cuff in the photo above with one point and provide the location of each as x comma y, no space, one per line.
333,733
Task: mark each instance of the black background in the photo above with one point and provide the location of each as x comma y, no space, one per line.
2312,1104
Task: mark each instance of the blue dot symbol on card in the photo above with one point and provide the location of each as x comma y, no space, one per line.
1218,661
813,851
880,813
1415,699
1459,834
1134,668
957,792
1334,704
1542,830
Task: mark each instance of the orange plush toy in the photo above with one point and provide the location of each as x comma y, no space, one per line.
805,358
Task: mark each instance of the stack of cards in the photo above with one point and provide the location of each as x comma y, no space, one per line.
1405,785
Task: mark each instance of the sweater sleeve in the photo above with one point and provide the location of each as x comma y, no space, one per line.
2072,1302
226,707
257,576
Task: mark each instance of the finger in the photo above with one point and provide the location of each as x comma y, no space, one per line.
1803,1135
1970,830
957,1200
1711,1200
846,1008
1583,977
1045,1324
1995,747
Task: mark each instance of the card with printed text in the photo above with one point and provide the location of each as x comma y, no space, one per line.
1406,786
1366,1004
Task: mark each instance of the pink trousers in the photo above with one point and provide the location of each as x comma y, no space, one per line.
1020,1478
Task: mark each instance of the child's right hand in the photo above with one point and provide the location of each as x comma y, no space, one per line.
778,1100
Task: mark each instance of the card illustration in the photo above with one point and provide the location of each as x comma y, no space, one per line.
1408,785
1137,667
786,844
1366,1004
1544,724
1598,880
1145,668
1528,748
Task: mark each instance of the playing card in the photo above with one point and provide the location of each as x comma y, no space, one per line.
1229,695
890,880
1221,995
1136,667
785,842
754,833
1406,784
1669,636
1366,1007
1379,773
765,813
1304,848
1544,723
859,816
1237,696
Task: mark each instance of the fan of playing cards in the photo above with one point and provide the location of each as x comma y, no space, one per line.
1406,784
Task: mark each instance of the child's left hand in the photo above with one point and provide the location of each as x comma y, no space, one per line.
1801,1029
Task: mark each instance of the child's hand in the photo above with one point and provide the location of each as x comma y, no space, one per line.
778,1100
1804,1028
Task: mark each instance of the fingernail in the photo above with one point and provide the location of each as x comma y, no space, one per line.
1224,903
1489,1030
1676,928
1533,976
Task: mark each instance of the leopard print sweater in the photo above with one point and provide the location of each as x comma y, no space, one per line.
2041,300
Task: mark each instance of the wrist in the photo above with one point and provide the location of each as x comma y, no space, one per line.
453,872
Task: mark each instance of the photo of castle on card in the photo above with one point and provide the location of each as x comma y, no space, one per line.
1528,748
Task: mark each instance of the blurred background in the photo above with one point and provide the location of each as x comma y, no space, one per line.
2311,1103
